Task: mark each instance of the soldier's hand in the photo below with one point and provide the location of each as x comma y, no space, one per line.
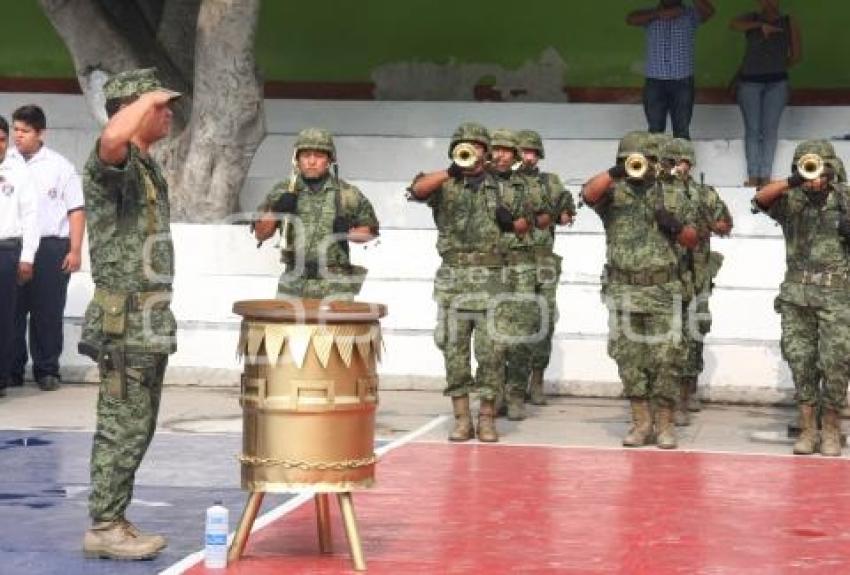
504,219
796,180
688,237
521,226
722,227
287,204
455,171
617,171
566,219
542,220
24,272
667,223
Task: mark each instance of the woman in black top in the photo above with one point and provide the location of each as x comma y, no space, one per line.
773,45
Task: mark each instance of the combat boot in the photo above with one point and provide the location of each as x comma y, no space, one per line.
806,444
641,431
830,434
463,430
681,417
694,403
157,540
665,431
120,540
535,388
516,406
487,422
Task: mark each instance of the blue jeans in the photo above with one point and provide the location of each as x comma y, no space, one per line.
675,97
761,107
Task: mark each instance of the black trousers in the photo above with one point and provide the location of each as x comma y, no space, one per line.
42,300
674,97
9,257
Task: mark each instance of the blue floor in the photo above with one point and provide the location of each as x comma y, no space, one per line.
44,490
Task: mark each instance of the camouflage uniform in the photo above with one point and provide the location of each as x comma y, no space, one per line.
316,258
700,266
470,280
814,299
641,285
555,200
519,319
128,326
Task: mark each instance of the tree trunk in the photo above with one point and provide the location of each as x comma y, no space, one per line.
203,48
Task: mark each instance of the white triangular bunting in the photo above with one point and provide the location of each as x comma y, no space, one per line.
255,340
243,340
299,341
344,339
275,339
323,343
364,347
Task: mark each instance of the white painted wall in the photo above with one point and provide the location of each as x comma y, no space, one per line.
381,146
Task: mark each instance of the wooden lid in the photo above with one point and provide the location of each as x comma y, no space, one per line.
309,310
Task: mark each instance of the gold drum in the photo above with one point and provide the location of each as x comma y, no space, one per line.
309,393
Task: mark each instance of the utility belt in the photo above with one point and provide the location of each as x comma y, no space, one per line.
486,259
131,301
10,243
312,270
651,277
823,279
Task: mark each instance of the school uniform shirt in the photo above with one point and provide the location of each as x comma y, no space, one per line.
18,207
57,187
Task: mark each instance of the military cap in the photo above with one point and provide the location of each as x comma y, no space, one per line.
504,138
133,83
531,140
470,132
315,139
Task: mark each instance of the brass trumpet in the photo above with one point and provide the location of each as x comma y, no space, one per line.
810,166
464,155
636,166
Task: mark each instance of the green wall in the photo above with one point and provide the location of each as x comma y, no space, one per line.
343,40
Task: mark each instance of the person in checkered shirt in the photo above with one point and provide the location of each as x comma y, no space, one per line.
669,89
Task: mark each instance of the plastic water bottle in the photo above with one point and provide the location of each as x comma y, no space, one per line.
215,537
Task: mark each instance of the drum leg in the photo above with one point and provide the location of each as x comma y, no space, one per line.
245,524
323,522
346,505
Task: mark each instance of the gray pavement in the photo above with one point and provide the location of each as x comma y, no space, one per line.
566,421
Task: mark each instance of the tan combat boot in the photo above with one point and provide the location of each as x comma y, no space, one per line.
487,422
158,540
463,430
516,406
830,435
120,540
535,388
806,444
665,431
641,431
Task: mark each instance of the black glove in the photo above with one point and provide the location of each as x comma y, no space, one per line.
844,228
341,225
667,223
617,172
287,204
796,180
455,171
504,219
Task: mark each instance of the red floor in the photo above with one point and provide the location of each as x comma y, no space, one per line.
442,508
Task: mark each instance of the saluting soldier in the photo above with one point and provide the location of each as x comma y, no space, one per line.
128,327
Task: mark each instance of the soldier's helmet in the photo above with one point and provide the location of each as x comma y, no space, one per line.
504,138
315,139
678,150
133,83
632,143
839,170
470,132
531,140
